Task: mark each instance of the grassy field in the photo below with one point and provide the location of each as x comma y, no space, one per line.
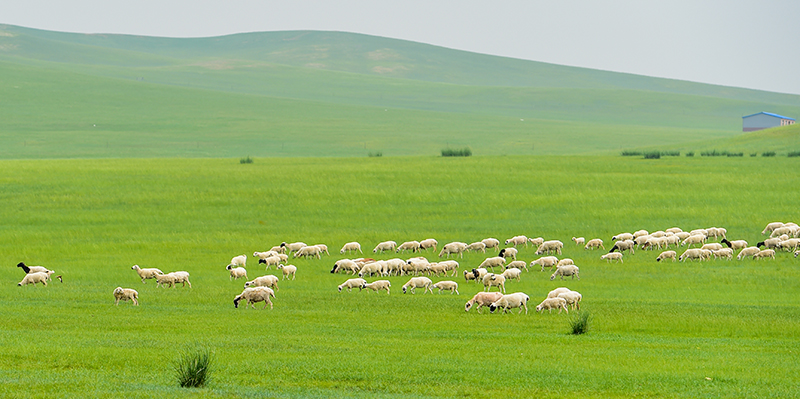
684,330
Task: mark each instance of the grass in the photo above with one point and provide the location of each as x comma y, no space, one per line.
90,220
193,368
579,322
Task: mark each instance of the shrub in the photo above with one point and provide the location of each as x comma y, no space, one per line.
579,322
735,154
670,153
375,154
712,153
690,154
629,153
752,154
792,154
246,160
652,155
450,152
193,368
768,154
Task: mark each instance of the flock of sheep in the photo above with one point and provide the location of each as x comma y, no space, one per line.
782,236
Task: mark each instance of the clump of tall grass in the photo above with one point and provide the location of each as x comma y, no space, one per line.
579,322
768,154
375,154
246,160
652,155
735,154
690,154
451,152
793,154
631,153
193,367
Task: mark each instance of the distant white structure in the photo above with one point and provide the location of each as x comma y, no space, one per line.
764,120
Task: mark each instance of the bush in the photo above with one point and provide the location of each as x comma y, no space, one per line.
193,368
246,160
629,153
752,154
712,153
375,154
792,154
579,322
652,155
768,154
690,154
735,154
450,152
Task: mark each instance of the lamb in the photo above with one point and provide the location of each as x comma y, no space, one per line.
310,250
517,240
36,277
490,263
412,246
126,294
482,299
288,270
545,261
594,244
345,264
573,299
385,246
566,271
351,246
253,295
622,237
667,255
735,244
491,242
428,243
508,253
379,285
766,253
550,246
510,301
240,260
494,280
512,273
553,303
519,264
749,251
418,282
453,248
625,245
579,240
268,280
353,283
612,256
554,293
723,253
448,285
269,261
477,246
236,272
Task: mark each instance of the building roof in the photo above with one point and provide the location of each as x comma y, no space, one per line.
770,114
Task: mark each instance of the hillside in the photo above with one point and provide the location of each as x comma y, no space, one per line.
443,97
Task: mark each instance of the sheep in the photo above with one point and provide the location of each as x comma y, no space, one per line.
566,271
469,275
573,299
667,255
450,265
416,265
479,273
545,261
253,295
436,269
181,277
165,279
682,235
395,265
236,272
622,237
345,264
550,246
612,256
453,248
477,246
553,303
323,249
512,273
780,231
673,230
712,246
490,263
482,299
280,249
766,253
735,244
519,264
717,232
385,246
371,268
594,243
353,283
723,253
448,285
126,294
32,269
309,250
639,233
239,260
770,243
508,253
536,241
491,242
494,280
271,260
565,261
288,270
294,247
510,301
517,240
418,282
579,240
749,251
554,293
36,277
790,244
693,239
379,285
351,246
693,253
412,246
264,255
624,245
268,280
428,243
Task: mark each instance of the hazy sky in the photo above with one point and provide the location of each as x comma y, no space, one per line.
742,43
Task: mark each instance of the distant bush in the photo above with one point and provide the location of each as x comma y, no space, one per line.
768,154
792,154
246,160
712,153
375,154
670,153
450,152
652,155
752,154
735,154
690,154
629,153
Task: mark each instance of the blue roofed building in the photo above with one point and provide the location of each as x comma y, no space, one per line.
764,120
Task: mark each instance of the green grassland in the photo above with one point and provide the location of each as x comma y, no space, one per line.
711,329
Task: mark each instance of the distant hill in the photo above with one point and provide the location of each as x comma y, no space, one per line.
449,97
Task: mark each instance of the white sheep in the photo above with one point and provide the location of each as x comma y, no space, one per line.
294,247
385,246
510,301
667,255
639,233
624,245
512,273
622,237
735,244
253,295
781,231
566,271
453,248
270,261
479,273
323,249
450,265
491,242
379,285
693,239
573,299
281,249
448,285
126,294
749,251
436,269
482,299
673,230
612,256
723,253
181,277
346,265
508,253
288,270
490,263
268,280
395,265
165,279
790,244
477,246
553,303
517,240
146,273
545,261
536,241
594,243
239,260
519,264
765,253
494,280
36,277
412,246
418,282
772,243
550,246
579,240
692,254
428,243
236,272
712,246
565,261
353,283
378,267
32,269
308,251
351,246
554,293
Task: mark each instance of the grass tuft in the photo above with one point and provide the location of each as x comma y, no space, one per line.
579,322
768,154
631,153
652,155
793,154
376,154
690,154
246,160
193,367
450,152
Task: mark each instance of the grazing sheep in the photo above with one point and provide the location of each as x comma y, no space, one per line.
345,264
450,265
673,230
448,285
351,246
32,269
512,273
385,246
550,246
624,245
280,249
594,243
418,282
579,240
428,243
181,277
165,279
735,244
264,255
517,240
323,249
308,251
508,253
545,261
268,280
639,233
453,248
694,253
766,253
479,273
554,293
553,303
36,277
436,269
519,264
271,260
693,239
412,246
126,294
712,246
566,271
477,246
491,242
749,251
469,275
353,283
416,266
781,231
494,280
510,301
395,265
573,299
622,237
239,260
790,244
667,255
565,261
288,270
723,253
482,299
490,263
236,272
253,295
294,247
379,285
378,267
770,243
612,256
536,241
